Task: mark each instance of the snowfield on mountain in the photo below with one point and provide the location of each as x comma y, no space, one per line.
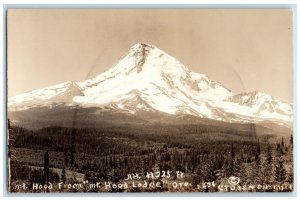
148,79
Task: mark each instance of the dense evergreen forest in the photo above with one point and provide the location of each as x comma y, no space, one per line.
109,153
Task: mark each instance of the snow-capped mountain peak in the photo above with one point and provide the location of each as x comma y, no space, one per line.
144,59
149,79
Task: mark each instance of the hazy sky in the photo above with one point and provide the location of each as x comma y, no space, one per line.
245,50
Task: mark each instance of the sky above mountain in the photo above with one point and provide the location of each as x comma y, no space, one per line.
245,50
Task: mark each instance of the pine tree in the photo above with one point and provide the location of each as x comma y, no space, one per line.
84,157
278,146
269,155
63,177
66,159
280,173
237,168
228,168
72,146
209,171
156,166
71,158
198,171
253,130
46,167
232,152
87,172
290,177
282,143
258,169
257,153
142,166
280,149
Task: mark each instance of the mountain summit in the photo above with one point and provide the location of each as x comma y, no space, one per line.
148,79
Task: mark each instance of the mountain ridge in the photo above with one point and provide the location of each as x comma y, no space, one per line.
149,79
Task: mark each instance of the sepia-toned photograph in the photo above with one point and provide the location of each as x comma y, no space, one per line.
150,100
